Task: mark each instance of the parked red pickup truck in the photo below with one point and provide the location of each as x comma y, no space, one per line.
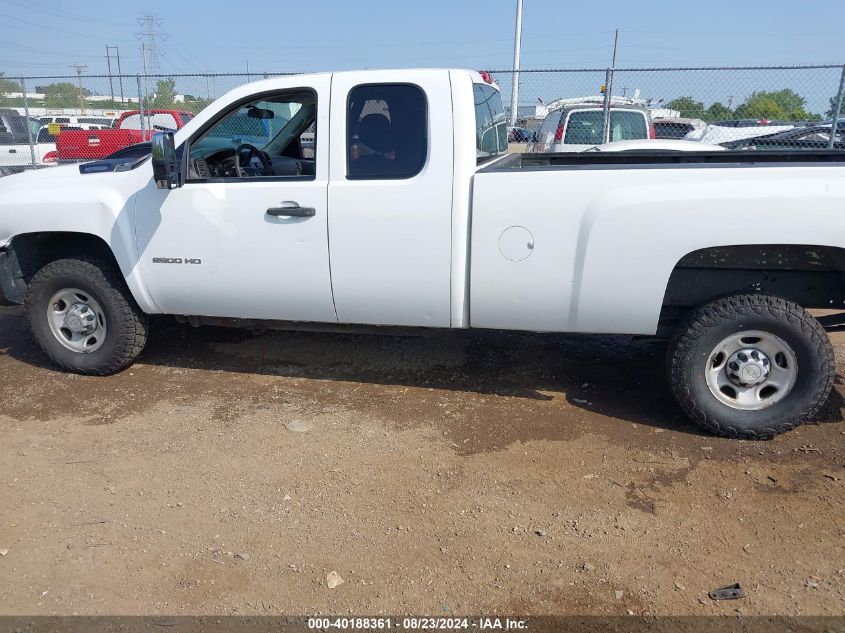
76,145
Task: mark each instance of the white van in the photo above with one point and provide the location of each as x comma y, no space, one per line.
579,127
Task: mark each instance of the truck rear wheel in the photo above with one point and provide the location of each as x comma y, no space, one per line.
751,366
82,315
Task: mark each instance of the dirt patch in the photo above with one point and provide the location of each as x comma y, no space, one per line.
226,473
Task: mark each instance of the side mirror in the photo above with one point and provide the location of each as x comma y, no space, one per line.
165,161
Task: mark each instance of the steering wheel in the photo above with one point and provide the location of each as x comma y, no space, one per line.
250,151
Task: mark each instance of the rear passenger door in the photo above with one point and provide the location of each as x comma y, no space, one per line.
390,198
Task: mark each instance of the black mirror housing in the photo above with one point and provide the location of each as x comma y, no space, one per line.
166,171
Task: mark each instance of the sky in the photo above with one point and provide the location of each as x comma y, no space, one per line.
46,37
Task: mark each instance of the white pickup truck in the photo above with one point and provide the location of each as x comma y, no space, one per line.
407,211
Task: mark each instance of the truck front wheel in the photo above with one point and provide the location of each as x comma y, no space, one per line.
751,366
82,315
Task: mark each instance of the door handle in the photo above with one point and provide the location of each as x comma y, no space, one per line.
292,210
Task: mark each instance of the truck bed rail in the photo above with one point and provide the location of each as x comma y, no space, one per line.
661,158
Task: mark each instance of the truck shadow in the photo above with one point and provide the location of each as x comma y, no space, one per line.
613,376
618,376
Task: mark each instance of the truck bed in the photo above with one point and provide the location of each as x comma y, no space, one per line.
646,158
588,242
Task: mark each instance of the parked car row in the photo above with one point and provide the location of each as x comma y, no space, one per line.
810,137
581,126
129,129
65,139
15,151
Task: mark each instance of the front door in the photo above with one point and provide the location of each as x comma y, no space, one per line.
246,235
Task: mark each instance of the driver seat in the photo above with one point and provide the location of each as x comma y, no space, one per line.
376,133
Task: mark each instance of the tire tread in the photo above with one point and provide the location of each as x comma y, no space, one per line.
721,311
131,327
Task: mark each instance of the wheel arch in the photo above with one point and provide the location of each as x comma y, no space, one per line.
32,251
806,274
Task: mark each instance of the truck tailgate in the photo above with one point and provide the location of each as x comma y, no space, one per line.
90,144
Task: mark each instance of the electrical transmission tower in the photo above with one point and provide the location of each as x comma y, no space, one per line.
150,38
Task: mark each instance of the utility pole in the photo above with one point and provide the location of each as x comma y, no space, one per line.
608,90
142,98
79,69
108,61
836,114
517,45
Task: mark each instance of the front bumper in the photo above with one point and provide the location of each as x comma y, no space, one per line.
12,284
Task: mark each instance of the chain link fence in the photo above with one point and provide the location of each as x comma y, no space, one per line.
783,108
56,119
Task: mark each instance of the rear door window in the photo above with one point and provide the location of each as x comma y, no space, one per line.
627,125
584,127
491,131
387,131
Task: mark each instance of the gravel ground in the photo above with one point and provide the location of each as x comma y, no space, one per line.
230,473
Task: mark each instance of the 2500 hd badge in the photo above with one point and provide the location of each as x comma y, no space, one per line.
176,260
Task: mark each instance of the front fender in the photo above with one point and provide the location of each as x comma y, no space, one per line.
64,200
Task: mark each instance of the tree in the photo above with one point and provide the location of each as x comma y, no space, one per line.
829,114
718,112
6,86
165,94
62,95
196,105
687,106
783,104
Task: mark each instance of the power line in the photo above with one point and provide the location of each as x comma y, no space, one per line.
13,19
65,15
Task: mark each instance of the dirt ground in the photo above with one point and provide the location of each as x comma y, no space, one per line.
230,473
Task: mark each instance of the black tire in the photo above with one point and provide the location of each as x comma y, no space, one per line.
127,324
708,325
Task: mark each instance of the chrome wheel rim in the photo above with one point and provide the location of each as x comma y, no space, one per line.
77,320
751,370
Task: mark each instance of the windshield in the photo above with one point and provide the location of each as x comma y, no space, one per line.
158,121
256,123
271,124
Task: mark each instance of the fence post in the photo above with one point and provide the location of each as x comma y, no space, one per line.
837,110
605,127
28,128
141,108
